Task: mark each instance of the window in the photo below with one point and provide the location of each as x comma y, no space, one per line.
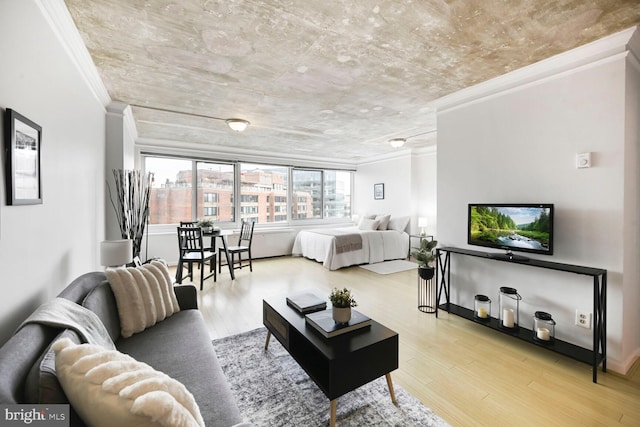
263,191
321,194
307,190
249,198
337,194
170,197
191,189
215,191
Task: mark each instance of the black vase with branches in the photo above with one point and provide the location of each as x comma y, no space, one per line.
131,204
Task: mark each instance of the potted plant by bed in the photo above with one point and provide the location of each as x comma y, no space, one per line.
425,256
342,301
206,224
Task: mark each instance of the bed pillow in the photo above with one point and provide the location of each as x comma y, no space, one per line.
109,388
144,296
384,221
365,217
399,223
369,224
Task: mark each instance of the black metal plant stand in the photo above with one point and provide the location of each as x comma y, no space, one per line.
427,296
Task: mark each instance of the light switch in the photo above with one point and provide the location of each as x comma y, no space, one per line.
583,160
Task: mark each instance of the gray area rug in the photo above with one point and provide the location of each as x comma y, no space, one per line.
390,267
272,390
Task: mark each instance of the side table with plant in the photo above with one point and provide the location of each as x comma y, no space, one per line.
342,301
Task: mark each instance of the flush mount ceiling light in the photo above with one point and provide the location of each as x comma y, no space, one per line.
237,125
397,142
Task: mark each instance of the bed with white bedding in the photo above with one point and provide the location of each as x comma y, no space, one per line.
341,247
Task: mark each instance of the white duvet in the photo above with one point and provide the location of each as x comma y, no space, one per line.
377,246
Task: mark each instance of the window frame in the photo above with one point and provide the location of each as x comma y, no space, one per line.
237,192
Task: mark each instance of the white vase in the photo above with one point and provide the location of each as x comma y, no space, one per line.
341,314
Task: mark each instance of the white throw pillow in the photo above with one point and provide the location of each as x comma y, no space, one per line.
365,217
384,221
369,224
109,388
144,295
399,223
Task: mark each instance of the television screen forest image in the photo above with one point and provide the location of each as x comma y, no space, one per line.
511,227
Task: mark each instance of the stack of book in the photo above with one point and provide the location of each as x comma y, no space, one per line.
306,302
324,323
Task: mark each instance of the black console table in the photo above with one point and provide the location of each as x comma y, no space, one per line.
595,357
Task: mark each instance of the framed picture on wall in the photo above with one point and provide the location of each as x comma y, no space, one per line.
378,191
22,156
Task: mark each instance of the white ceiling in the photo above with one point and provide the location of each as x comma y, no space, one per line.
319,78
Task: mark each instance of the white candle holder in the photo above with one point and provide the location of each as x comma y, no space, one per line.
482,308
509,308
544,327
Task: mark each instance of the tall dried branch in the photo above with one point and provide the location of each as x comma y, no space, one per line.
131,204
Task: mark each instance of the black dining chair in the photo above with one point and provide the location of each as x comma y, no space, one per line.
243,246
192,251
211,247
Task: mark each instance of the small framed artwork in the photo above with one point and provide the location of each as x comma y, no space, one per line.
22,156
378,191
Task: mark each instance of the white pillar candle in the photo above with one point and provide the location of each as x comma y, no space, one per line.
543,334
507,318
482,313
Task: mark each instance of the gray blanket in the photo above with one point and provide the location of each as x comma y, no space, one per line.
346,241
62,313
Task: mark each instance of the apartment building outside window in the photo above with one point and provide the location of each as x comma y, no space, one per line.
186,189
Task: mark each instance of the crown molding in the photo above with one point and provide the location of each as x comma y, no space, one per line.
61,22
605,49
634,49
181,148
123,110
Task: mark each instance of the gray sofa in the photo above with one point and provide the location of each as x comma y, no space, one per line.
178,346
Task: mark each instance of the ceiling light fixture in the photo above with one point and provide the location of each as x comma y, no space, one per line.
397,142
237,125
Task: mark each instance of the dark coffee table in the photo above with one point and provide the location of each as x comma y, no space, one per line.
339,364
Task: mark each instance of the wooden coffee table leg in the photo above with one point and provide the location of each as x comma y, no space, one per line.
391,392
266,343
332,420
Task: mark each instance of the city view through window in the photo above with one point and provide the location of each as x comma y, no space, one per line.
184,190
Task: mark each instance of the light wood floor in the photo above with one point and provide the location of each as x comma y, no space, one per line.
466,373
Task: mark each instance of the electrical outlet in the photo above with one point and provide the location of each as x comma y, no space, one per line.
583,319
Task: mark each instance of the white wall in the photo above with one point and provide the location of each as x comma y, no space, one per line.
631,266
44,247
519,145
395,174
424,173
120,152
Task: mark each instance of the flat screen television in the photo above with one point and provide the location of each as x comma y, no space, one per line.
524,227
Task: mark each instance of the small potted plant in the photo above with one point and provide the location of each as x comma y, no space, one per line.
342,301
206,224
425,255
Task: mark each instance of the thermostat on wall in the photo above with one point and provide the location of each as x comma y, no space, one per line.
583,160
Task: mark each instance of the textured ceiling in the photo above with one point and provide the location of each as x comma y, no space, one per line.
319,78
